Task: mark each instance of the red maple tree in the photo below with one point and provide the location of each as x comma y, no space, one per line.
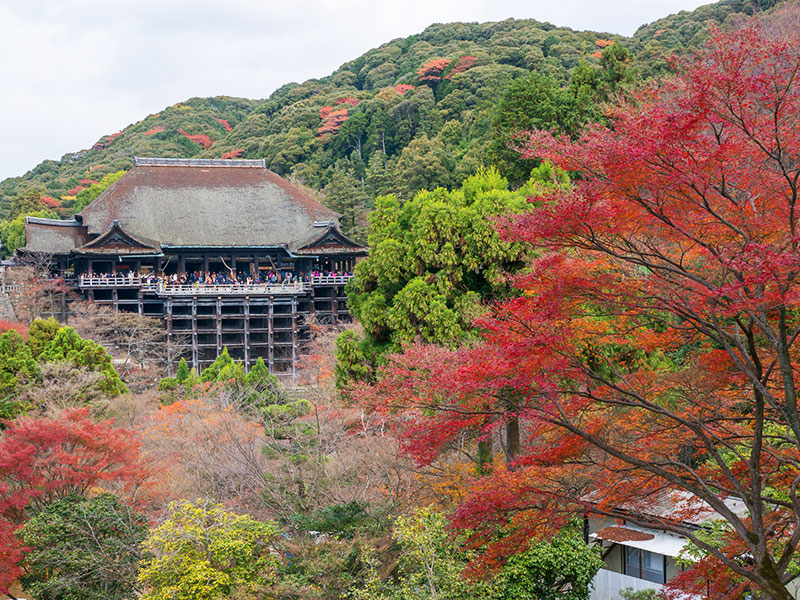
463,64
431,71
648,369
225,124
202,139
42,460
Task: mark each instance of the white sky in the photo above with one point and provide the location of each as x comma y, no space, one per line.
72,71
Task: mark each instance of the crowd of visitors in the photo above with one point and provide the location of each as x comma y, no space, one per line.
198,278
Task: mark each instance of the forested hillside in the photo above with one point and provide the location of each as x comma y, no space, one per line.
419,108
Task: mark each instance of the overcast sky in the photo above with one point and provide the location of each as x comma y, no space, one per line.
72,71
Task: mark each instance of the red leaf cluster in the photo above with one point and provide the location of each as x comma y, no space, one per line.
202,139
50,202
431,71
154,130
20,328
463,64
348,100
332,120
402,88
225,124
233,154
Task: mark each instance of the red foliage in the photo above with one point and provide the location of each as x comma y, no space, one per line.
348,100
154,130
20,328
88,181
225,124
114,136
50,202
596,54
432,70
42,460
233,154
402,88
464,63
332,120
202,139
651,358
75,190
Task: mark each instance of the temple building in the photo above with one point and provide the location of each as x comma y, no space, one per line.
228,253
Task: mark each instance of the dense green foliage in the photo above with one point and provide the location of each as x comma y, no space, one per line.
434,261
83,549
203,552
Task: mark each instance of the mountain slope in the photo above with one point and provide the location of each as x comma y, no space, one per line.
428,96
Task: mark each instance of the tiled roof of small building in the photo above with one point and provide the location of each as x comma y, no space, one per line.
623,534
53,236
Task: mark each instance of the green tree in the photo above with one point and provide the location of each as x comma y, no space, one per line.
431,562
41,333
345,193
17,368
87,196
224,368
203,552
26,202
537,102
425,163
182,373
560,569
68,346
434,260
83,549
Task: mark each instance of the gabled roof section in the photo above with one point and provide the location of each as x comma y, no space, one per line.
330,240
207,203
116,240
53,236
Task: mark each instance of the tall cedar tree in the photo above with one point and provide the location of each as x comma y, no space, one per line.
652,360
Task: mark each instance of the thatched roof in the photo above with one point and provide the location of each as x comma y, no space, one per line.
208,203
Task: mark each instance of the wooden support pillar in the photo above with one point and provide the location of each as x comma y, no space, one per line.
115,299
334,305
158,266
195,348
90,267
140,298
254,267
294,337
168,319
233,266
219,325
247,334
181,265
205,264
270,336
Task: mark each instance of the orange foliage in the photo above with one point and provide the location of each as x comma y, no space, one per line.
225,124
154,130
332,120
201,138
233,154
601,43
432,70
402,88
50,202
464,63
348,100
20,328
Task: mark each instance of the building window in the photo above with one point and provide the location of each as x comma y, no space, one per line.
645,565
